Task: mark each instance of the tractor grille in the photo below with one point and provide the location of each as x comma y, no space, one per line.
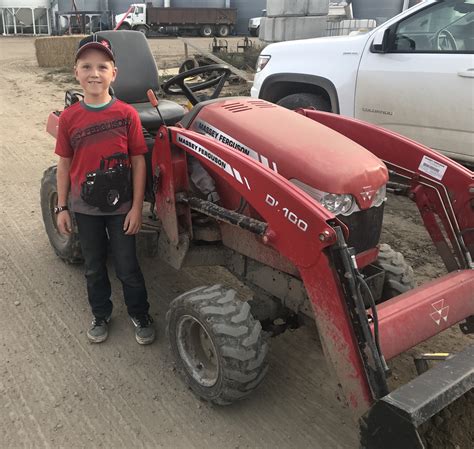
365,227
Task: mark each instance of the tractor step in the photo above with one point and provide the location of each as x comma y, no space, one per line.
393,421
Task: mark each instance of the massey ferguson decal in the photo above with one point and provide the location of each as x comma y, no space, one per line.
217,134
440,311
194,146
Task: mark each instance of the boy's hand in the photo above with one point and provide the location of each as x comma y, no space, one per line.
133,221
64,223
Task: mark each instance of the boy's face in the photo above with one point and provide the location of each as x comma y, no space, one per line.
95,72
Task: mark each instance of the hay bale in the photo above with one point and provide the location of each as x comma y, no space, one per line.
56,51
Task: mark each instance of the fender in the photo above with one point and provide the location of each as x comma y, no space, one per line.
270,93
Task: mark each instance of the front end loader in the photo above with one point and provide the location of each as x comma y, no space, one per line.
299,220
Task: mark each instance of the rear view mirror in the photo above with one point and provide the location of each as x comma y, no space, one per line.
380,42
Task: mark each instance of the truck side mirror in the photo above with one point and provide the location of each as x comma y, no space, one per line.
380,42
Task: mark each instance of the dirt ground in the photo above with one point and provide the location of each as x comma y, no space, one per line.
59,391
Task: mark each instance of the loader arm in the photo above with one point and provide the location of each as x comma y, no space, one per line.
443,191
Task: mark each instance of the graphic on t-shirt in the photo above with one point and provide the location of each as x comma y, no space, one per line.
108,187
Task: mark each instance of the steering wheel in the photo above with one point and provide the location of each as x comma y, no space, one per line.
220,71
445,41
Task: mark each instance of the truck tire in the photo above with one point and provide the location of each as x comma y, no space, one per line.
304,100
142,29
223,30
218,346
68,248
124,26
254,32
399,276
207,31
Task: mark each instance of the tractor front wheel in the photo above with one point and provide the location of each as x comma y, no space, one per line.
399,276
218,346
67,247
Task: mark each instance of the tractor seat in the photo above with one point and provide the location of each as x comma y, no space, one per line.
136,73
171,112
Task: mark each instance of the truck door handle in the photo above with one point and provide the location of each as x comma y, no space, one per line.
469,73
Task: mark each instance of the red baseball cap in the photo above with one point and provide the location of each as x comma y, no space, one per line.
97,42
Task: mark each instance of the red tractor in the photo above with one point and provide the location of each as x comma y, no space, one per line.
299,221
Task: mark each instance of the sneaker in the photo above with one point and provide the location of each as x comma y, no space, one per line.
144,329
98,331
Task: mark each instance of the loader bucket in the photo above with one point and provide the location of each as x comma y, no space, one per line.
401,419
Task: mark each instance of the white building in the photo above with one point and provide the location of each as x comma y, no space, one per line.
25,17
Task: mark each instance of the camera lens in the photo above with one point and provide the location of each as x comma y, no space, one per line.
113,197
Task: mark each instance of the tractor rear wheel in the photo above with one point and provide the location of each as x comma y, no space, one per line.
68,248
218,346
399,276
305,100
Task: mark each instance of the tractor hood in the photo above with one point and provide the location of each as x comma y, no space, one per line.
291,144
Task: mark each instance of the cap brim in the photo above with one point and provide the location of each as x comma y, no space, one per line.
96,46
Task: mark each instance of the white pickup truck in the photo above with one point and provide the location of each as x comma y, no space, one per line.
414,74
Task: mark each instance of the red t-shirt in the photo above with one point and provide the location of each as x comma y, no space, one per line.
100,142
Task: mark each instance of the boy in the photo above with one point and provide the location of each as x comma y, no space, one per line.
101,150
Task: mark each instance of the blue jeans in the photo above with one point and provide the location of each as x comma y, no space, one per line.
95,232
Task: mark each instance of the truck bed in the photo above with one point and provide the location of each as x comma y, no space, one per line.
180,16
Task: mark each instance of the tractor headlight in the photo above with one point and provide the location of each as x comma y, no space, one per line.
338,204
380,196
262,61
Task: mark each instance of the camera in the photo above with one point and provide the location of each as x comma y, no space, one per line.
108,187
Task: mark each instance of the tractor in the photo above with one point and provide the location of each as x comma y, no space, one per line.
302,197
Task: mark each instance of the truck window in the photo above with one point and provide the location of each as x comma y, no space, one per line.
443,27
139,10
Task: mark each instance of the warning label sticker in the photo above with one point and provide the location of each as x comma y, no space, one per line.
433,168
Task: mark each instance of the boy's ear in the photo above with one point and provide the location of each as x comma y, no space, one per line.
115,73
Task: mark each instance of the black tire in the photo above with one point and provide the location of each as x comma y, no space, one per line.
67,248
223,30
124,26
399,276
254,32
218,346
305,100
142,29
188,64
207,31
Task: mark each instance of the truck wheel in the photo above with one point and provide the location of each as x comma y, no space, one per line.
142,29
223,30
218,346
304,100
124,26
67,248
207,31
254,32
399,276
